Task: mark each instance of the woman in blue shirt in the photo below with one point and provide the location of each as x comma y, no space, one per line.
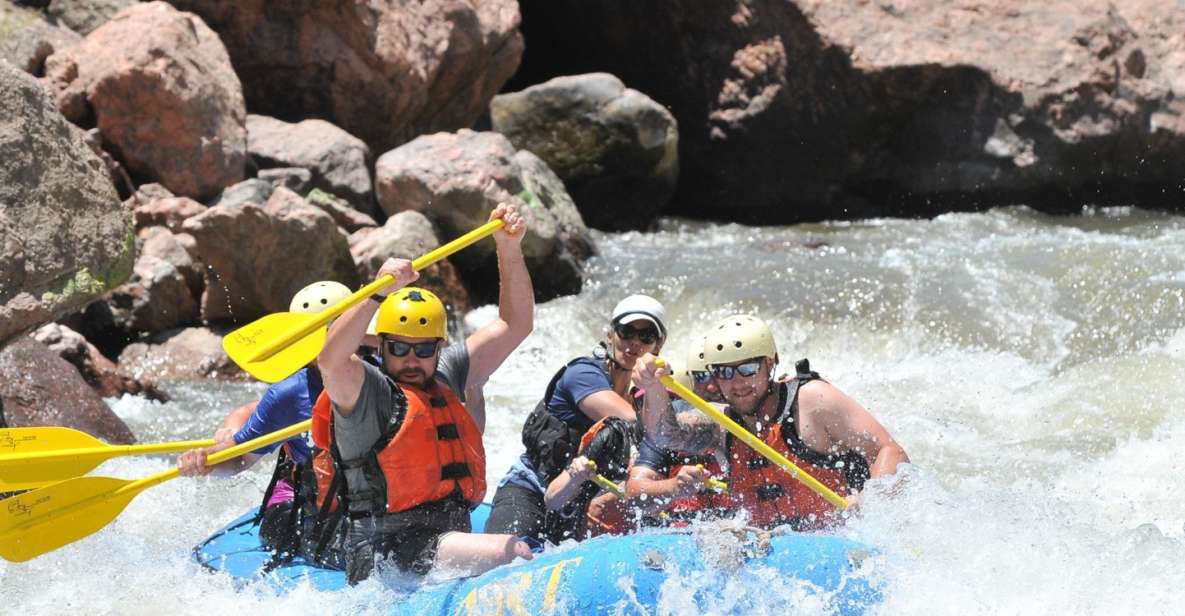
583,392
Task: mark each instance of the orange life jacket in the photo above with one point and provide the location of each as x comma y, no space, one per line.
768,492
433,450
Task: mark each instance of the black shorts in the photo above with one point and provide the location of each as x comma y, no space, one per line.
517,511
408,539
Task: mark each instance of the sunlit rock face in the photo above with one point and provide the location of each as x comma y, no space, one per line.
814,109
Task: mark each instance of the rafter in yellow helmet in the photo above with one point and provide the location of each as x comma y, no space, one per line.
412,312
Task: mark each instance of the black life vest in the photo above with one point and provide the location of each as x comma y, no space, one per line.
608,445
550,441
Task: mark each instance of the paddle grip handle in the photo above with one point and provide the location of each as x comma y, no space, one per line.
769,453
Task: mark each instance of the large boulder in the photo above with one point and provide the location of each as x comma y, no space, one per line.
456,179
64,236
159,85
99,372
157,297
338,161
258,257
383,71
346,217
176,249
408,235
810,109
38,388
616,150
27,39
189,354
254,190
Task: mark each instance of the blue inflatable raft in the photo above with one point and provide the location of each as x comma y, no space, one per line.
644,573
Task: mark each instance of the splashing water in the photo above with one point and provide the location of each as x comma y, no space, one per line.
1029,364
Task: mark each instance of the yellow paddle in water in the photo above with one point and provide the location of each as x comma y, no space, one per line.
33,457
46,519
757,444
275,346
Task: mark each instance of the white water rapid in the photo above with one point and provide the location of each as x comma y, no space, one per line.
1033,367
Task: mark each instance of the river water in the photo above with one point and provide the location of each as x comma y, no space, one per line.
1030,365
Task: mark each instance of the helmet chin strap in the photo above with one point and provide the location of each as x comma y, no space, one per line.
607,350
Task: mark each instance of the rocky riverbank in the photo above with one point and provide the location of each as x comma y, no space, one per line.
171,170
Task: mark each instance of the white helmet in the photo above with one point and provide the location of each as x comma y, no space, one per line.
641,308
695,358
737,338
679,373
318,296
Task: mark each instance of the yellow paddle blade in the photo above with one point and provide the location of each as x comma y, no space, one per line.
739,431
48,518
33,469
244,344
43,520
14,441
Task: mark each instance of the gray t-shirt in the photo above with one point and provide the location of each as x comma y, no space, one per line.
357,433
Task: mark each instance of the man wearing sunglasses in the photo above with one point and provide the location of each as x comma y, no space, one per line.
805,418
583,392
409,449
675,482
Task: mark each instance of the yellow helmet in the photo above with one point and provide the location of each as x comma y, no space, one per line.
318,296
412,312
737,338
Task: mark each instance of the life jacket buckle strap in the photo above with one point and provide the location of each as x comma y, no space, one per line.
770,492
447,432
456,470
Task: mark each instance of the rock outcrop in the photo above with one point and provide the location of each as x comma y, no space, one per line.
257,257
107,379
27,38
383,71
615,149
84,16
65,237
408,235
39,388
815,109
189,354
159,85
456,180
338,162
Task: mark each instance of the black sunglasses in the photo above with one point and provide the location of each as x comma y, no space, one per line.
423,350
701,377
646,335
726,373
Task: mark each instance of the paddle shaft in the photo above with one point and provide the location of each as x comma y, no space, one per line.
604,482
274,346
106,451
757,444
140,485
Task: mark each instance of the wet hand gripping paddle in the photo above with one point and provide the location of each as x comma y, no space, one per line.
35,457
43,520
739,431
275,346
